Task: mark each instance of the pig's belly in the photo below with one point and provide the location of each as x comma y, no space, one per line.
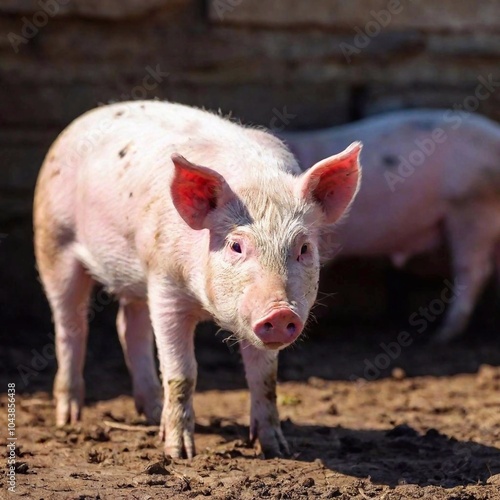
116,267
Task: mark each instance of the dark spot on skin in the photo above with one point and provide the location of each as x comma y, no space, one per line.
55,173
52,157
426,125
180,391
179,411
390,161
270,388
147,208
142,106
123,152
130,194
118,113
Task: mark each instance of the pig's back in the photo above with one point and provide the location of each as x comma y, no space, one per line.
112,138
125,166
109,174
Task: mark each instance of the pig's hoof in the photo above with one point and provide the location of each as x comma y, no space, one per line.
153,412
150,407
68,410
273,443
69,400
183,449
178,435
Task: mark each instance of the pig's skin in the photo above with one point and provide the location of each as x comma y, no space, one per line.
180,243
453,196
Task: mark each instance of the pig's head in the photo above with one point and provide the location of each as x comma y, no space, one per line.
262,270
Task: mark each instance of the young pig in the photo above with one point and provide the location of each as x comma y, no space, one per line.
429,176
184,216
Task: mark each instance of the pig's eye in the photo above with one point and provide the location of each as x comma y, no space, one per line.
235,247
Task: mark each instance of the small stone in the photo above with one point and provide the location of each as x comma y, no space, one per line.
94,457
308,482
21,467
332,409
316,382
333,493
98,434
156,468
398,373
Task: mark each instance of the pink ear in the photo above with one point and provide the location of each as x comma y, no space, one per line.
195,191
333,182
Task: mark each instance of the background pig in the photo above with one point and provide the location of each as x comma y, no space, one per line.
429,176
185,216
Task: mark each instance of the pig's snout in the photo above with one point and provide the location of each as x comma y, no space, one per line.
278,328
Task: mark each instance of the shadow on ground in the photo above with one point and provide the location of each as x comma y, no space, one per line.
400,455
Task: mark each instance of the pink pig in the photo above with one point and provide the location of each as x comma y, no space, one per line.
184,216
429,177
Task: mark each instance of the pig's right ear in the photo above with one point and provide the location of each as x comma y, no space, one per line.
196,191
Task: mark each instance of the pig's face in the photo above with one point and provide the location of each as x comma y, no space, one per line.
263,265
263,268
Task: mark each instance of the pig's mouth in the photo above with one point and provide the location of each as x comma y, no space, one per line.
273,346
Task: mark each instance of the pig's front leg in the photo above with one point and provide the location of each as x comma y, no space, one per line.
174,321
261,368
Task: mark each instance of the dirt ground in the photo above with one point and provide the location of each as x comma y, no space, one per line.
427,426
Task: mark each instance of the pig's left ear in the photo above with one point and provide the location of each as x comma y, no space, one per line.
196,191
333,182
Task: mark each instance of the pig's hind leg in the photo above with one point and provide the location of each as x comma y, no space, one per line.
261,369
68,287
473,231
136,337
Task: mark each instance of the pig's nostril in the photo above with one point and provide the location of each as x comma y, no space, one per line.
291,327
268,326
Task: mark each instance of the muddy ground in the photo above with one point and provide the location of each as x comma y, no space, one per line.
427,426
